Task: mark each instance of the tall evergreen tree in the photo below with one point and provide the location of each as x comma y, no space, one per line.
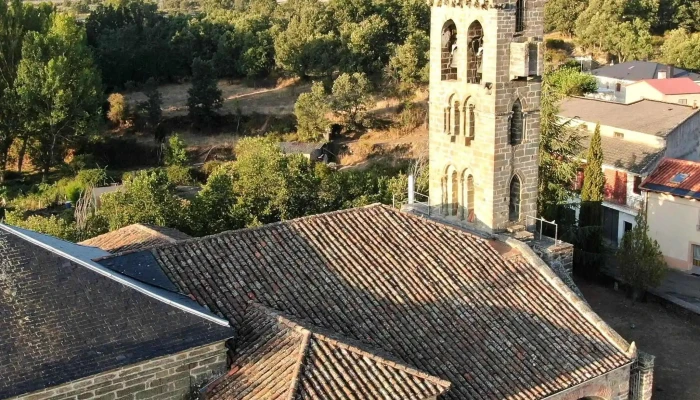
589,247
640,261
204,95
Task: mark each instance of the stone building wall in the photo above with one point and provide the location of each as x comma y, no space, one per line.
488,157
612,386
171,377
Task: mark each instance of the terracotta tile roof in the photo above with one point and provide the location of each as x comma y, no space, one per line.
60,320
292,360
645,116
677,177
673,86
437,298
134,237
638,158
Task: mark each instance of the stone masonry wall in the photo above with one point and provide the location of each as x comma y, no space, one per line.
489,157
171,377
612,386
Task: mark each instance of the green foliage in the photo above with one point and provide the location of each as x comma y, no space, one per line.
154,103
351,98
408,67
176,151
179,175
594,179
682,49
640,262
58,89
588,253
204,97
569,81
216,209
560,147
366,43
561,15
147,197
118,109
311,110
59,226
611,26
260,168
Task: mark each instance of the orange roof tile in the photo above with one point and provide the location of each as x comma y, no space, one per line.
134,237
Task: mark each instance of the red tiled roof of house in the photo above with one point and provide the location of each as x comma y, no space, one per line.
440,299
277,357
134,237
676,177
674,85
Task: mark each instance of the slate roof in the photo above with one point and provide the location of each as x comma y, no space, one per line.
439,299
645,116
638,70
277,357
662,179
63,317
637,158
300,147
673,86
135,236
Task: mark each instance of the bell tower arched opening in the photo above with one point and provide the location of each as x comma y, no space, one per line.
475,52
448,61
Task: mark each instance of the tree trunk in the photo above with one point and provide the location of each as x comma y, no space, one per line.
22,152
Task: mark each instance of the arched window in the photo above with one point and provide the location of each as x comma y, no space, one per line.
472,122
448,62
475,52
514,203
519,15
516,123
469,198
446,123
457,121
455,194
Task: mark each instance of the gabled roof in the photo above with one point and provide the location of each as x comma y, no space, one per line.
638,70
278,357
134,237
673,86
638,158
645,116
442,300
64,317
676,177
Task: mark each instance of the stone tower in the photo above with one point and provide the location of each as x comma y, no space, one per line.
486,62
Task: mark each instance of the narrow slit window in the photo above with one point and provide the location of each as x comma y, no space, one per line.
457,120
472,122
516,123
519,16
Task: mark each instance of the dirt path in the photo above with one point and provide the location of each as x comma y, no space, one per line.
671,335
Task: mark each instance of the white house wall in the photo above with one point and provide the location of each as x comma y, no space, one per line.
673,222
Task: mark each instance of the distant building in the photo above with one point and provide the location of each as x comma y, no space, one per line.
613,80
676,90
672,194
635,137
315,151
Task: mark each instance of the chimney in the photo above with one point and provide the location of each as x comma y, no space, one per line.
670,71
411,189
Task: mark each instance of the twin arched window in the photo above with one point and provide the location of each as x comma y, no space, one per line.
460,119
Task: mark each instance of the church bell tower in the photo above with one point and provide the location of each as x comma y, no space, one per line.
486,64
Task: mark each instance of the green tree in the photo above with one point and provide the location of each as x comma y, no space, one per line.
640,262
147,197
216,209
569,81
16,20
560,147
176,151
616,27
153,104
589,250
204,95
561,15
311,110
260,166
351,98
299,196
408,66
681,49
366,44
58,88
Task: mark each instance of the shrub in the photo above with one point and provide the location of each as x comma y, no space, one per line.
176,152
58,226
179,175
640,262
118,109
